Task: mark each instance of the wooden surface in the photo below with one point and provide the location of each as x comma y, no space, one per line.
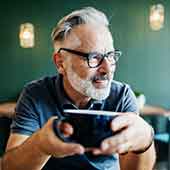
7,109
154,110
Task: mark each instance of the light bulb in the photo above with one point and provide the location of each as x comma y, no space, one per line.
26,35
156,18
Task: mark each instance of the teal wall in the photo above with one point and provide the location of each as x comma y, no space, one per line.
146,54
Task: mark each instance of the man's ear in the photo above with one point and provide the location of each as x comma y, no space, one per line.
58,61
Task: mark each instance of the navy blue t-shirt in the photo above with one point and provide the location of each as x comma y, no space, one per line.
44,98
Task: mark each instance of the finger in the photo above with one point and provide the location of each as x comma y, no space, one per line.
89,149
66,129
124,148
105,149
121,149
97,151
108,151
124,136
73,148
121,122
69,149
113,144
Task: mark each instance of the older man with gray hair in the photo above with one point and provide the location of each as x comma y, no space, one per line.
86,61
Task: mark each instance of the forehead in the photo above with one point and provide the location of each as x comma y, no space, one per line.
88,37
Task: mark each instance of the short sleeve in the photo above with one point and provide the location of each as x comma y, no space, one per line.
26,119
129,101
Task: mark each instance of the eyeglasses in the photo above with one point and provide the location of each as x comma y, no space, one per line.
94,59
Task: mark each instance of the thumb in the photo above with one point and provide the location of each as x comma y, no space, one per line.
66,129
69,149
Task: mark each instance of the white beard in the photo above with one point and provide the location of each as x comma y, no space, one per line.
85,86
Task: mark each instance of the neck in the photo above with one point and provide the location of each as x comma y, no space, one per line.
77,98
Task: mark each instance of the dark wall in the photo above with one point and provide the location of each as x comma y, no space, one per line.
146,53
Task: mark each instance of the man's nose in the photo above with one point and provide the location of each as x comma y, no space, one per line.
106,66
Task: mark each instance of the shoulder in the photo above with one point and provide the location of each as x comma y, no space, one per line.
122,97
119,87
41,85
38,89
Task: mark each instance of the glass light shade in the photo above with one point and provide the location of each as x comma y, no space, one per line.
156,18
26,35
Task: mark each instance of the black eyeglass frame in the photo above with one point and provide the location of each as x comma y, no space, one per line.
87,56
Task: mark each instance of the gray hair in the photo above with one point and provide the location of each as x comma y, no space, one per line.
77,17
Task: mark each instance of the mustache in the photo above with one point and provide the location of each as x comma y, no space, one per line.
101,77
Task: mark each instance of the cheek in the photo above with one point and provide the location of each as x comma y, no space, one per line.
82,69
113,68
112,71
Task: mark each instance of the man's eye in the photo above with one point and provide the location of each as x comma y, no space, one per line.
96,56
111,56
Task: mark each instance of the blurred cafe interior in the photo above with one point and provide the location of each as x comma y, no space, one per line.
141,29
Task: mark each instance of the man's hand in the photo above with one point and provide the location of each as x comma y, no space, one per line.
135,135
50,144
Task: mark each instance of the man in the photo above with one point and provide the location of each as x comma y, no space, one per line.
86,61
